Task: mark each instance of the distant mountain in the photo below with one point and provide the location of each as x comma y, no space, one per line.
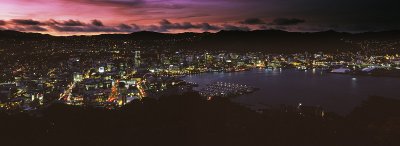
10,34
257,40
255,34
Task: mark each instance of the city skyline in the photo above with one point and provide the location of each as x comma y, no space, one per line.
200,72
87,17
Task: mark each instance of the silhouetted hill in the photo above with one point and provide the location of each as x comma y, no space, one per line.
257,40
10,34
191,120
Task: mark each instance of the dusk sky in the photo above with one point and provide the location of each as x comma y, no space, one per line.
69,17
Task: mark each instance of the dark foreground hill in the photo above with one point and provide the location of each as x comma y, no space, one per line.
188,120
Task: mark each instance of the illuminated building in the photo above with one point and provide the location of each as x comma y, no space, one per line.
137,58
78,77
101,69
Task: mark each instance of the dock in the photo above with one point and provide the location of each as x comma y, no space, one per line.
224,89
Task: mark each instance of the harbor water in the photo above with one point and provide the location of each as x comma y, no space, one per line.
338,93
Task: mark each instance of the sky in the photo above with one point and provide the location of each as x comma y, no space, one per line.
77,17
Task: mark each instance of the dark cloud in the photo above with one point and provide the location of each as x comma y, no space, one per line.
36,28
112,2
208,27
165,22
353,14
67,28
2,22
135,27
287,21
26,22
166,25
252,21
129,4
194,16
124,26
96,28
65,23
84,29
73,23
29,28
128,28
233,27
155,28
347,14
96,22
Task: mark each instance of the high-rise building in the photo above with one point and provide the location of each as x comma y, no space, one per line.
137,58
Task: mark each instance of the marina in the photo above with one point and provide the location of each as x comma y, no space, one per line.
225,89
339,93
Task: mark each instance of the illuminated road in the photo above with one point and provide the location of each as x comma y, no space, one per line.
114,92
68,92
141,91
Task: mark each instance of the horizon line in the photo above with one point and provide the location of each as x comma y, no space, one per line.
215,32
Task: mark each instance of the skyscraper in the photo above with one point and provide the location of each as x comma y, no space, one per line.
137,58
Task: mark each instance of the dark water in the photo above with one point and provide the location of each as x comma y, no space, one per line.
334,92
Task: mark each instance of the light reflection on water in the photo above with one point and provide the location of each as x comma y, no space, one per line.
335,92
